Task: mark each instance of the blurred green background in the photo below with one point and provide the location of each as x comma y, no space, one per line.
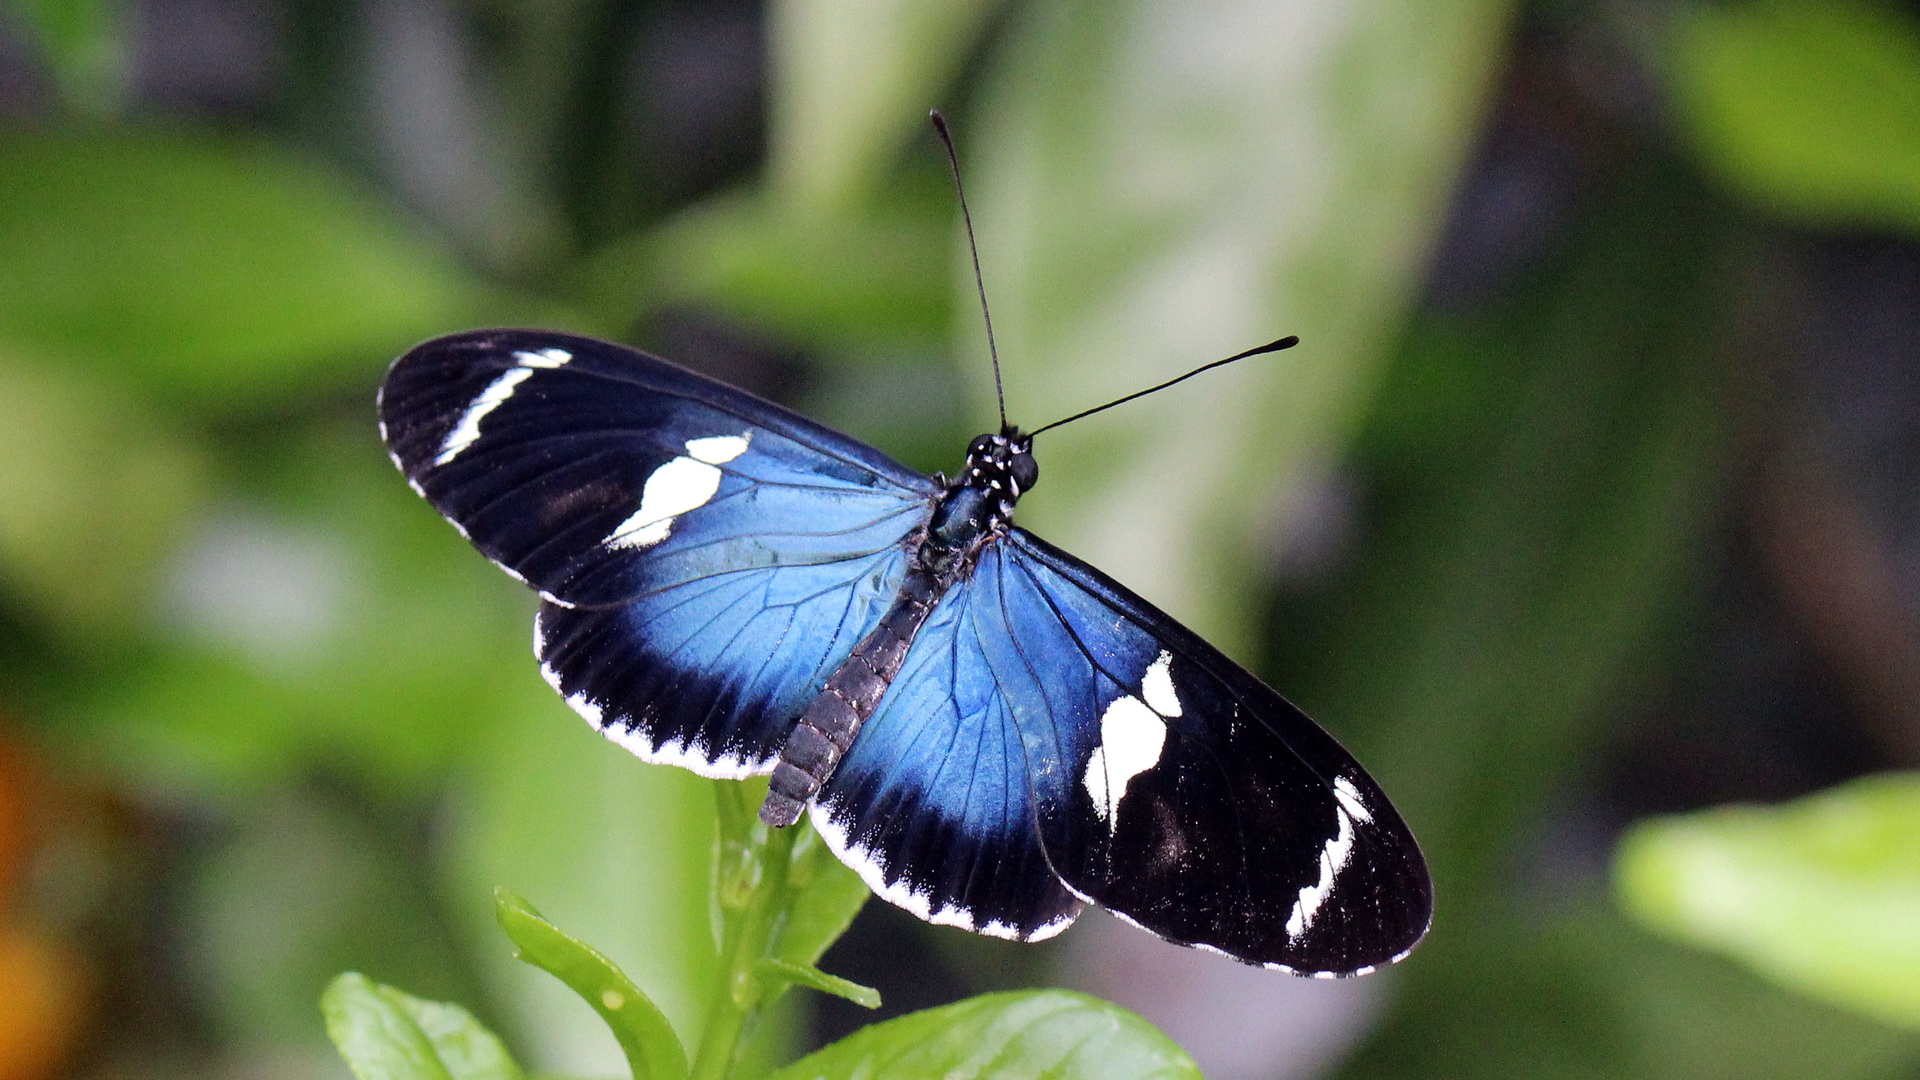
1593,494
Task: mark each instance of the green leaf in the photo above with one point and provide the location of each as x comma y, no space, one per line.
1811,107
1690,1015
804,975
1138,216
1821,895
830,895
1043,1033
653,1050
1583,994
620,852
216,270
385,1034
96,494
851,83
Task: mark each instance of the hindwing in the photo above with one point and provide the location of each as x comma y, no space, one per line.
934,804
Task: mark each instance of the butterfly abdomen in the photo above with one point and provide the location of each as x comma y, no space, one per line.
850,695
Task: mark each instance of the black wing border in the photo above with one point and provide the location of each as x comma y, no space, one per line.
672,378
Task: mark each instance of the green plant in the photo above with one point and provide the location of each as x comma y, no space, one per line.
1821,895
779,899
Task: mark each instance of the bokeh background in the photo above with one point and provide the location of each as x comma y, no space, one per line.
1592,495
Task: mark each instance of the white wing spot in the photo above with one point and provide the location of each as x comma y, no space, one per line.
468,429
683,484
1133,732
545,358
1131,738
1349,797
497,392
1333,859
1157,686
718,449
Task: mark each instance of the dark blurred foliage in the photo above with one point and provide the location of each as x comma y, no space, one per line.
1605,506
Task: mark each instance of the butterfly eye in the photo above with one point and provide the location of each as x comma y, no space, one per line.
1025,471
981,446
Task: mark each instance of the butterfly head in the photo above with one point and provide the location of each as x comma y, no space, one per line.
1003,464
1000,469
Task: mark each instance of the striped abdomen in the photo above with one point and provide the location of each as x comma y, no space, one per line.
851,694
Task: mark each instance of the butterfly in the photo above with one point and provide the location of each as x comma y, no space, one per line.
990,731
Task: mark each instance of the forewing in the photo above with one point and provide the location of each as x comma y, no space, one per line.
598,474
1177,790
933,803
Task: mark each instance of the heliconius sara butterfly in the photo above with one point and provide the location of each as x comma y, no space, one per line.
992,732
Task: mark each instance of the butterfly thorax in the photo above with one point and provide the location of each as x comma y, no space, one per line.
1000,468
970,513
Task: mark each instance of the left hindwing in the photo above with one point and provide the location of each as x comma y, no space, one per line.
1176,789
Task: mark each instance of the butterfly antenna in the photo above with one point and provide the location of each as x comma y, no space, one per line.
979,283
1271,346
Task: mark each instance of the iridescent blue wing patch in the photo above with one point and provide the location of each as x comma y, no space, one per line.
705,556
934,803
710,674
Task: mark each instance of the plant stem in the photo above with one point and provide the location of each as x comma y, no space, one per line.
749,924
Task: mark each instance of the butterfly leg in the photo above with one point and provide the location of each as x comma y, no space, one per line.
852,692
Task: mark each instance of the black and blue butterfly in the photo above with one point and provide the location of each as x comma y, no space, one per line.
990,731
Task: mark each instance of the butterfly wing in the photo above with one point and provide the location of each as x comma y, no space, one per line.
706,557
1177,790
597,474
933,804
1054,738
711,674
